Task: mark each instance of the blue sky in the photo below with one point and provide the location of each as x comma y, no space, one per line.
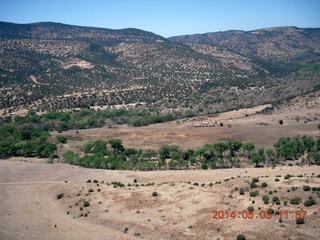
166,17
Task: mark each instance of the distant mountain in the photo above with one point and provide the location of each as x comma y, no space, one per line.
59,31
280,44
57,66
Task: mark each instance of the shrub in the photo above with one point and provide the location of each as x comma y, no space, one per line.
306,188
60,195
309,202
300,221
89,181
255,180
95,181
250,208
135,180
265,199
271,210
264,184
241,237
241,191
295,200
90,190
253,185
274,199
288,176
277,180
61,139
154,194
86,204
254,193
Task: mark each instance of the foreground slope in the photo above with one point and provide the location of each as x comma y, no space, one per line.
182,207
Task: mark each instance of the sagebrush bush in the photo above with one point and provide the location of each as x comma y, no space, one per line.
254,193
300,221
295,200
60,195
309,202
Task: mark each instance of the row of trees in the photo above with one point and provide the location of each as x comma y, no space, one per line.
26,142
296,147
233,153
89,118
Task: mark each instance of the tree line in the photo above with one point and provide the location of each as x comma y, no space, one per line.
90,118
226,154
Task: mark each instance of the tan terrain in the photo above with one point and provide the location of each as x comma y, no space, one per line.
31,210
182,209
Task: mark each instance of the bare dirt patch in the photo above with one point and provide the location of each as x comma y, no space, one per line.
181,210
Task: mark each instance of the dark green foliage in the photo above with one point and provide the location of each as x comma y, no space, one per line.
60,195
241,237
271,210
291,148
250,208
86,204
154,194
265,199
253,185
61,139
241,191
309,202
27,143
90,190
264,184
300,221
254,193
70,157
288,176
255,180
306,188
275,199
276,179
295,200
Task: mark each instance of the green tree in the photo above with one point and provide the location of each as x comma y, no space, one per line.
148,154
70,157
234,146
61,139
116,144
257,159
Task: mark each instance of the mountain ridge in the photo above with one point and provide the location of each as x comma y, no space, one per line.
51,30
280,44
57,66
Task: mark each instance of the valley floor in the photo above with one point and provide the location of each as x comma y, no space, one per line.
181,210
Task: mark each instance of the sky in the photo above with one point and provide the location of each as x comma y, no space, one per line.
166,17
